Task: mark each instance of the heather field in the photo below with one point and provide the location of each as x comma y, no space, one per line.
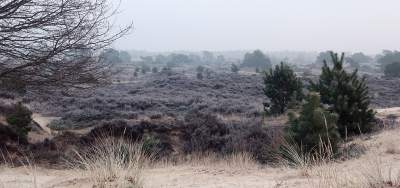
209,132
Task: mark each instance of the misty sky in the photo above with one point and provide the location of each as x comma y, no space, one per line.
270,25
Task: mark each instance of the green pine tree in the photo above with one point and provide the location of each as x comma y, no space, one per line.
257,70
135,74
313,125
20,118
280,84
347,96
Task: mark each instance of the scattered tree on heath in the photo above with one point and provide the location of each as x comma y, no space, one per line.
347,96
19,119
234,68
280,84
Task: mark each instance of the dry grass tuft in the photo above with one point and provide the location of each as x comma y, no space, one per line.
114,160
294,156
391,148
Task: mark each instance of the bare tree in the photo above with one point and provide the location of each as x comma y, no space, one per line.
53,45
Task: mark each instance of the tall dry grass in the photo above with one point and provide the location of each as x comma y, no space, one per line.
238,160
28,163
114,160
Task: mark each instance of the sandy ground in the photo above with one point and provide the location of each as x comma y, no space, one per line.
380,163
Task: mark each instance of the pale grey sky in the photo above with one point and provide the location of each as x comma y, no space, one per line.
368,26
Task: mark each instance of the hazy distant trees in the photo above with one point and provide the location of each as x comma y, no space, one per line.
323,56
195,58
110,55
388,57
392,70
147,59
208,57
160,59
220,60
180,58
352,62
40,40
301,58
256,59
361,58
171,64
125,57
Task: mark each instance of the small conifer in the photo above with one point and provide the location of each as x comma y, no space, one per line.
234,68
280,84
313,125
155,70
347,95
199,76
20,118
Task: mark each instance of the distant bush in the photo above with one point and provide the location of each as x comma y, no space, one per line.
234,68
171,64
392,70
199,76
392,116
208,72
166,69
155,116
257,70
79,121
204,133
154,70
200,68
257,59
307,73
146,68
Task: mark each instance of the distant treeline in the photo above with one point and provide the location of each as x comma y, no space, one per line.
234,55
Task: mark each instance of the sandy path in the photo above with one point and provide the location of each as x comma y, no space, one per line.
210,177
382,113
43,121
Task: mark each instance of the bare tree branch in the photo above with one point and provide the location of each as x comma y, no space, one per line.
53,45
